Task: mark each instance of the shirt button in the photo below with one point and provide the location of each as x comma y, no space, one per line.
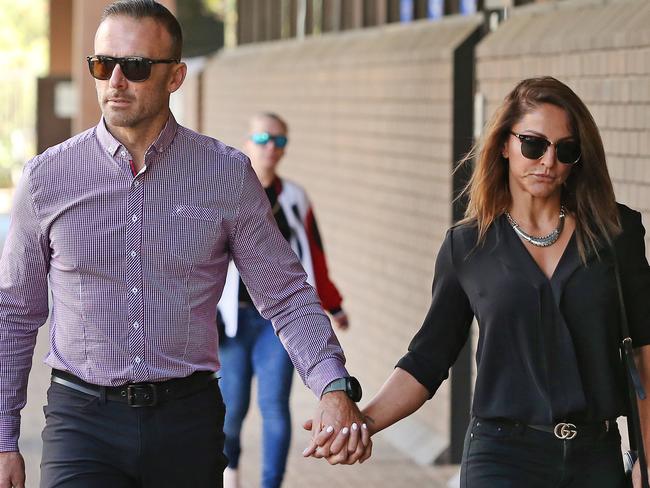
123,154
134,290
137,359
136,325
134,218
133,254
136,183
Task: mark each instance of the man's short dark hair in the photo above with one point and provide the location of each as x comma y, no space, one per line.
139,9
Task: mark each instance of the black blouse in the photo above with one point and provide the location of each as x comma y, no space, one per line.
547,348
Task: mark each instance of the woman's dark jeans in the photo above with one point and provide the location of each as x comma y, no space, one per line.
507,454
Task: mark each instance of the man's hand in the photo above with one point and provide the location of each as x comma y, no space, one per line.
340,320
339,433
12,470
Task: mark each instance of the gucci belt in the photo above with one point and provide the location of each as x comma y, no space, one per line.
564,430
567,431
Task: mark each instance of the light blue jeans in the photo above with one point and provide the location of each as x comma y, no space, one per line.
256,351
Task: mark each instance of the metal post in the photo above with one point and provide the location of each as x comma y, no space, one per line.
463,114
301,19
317,27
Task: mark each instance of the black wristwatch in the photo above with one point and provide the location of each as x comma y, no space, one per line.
350,385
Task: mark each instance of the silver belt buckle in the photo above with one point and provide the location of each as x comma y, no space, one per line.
565,431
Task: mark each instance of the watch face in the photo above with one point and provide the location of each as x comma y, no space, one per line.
354,389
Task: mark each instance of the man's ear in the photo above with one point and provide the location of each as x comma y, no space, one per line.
178,76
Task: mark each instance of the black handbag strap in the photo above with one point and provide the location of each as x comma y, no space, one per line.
634,385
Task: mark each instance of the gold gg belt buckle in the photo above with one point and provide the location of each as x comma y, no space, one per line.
565,431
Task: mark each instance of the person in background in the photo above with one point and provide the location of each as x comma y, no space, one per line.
534,263
250,346
130,226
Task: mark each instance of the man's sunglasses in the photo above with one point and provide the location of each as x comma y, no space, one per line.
534,147
263,138
134,68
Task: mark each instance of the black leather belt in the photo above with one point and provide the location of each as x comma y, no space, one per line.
568,430
139,394
562,430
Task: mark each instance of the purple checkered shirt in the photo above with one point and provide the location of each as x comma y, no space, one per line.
136,265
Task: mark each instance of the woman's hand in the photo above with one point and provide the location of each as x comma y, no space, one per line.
349,446
636,475
336,432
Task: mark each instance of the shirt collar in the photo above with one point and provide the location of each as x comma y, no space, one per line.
106,139
162,142
166,136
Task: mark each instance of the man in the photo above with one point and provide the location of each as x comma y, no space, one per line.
250,347
133,223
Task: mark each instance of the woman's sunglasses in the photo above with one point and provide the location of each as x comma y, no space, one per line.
263,138
134,68
534,147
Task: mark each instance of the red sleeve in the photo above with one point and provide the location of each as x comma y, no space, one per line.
329,295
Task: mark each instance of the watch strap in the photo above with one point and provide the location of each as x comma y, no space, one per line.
339,384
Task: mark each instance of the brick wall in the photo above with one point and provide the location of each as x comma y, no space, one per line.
602,50
370,116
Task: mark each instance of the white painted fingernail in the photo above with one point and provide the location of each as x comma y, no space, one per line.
345,431
354,426
304,453
364,426
330,429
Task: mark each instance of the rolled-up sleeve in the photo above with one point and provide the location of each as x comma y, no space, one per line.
23,308
445,329
277,283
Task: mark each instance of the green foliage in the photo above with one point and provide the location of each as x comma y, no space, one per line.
216,6
226,10
23,35
23,57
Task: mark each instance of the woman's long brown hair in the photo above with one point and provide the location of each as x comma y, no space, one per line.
587,193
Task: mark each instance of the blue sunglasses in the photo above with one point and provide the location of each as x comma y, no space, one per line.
263,138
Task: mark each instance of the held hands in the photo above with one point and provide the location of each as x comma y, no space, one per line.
339,431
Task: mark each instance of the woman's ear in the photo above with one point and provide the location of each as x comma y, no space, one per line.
505,150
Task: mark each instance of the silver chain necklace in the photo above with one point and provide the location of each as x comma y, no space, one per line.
543,241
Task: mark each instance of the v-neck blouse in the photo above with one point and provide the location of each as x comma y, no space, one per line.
547,347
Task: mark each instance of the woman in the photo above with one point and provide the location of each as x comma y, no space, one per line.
533,262
248,344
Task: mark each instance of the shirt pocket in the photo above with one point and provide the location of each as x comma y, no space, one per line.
196,232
